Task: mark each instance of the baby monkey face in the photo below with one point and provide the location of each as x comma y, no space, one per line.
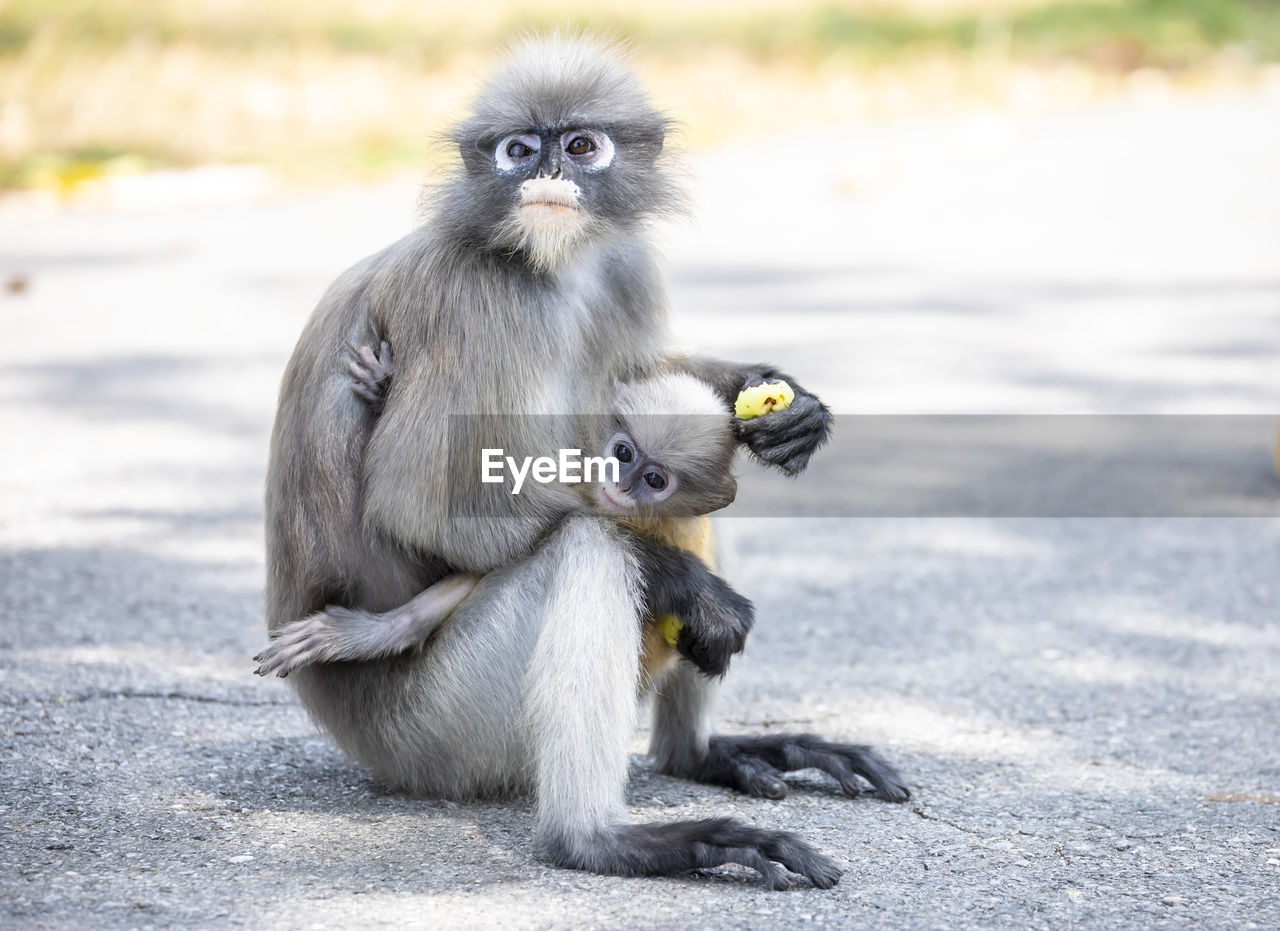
643,481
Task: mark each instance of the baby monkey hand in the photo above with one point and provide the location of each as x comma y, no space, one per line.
371,374
712,620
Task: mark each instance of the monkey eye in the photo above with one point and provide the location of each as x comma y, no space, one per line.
516,152
655,480
622,452
588,148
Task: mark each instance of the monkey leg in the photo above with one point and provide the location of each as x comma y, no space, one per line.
443,721
682,745
581,683
338,633
532,685
580,712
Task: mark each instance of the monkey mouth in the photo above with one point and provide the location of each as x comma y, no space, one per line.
547,221
614,500
550,192
550,204
542,217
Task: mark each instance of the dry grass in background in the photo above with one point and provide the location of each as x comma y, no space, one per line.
331,89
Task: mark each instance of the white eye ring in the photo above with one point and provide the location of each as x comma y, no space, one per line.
600,157
670,489
505,162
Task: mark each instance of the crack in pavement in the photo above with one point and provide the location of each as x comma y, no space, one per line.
106,694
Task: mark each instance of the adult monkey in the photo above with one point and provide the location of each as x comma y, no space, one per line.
529,289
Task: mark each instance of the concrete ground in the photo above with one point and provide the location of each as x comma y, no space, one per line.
1087,710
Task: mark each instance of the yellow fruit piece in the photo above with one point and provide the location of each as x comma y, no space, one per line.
761,399
671,627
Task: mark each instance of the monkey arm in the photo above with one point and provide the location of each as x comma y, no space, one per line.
338,633
784,439
716,618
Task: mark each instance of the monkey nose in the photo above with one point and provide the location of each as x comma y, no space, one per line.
555,174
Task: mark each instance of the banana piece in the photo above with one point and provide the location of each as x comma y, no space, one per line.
761,399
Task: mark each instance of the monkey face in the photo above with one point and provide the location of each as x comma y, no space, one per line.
562,147
550,209
643,482
559,184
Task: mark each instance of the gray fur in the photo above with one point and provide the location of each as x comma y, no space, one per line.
530,684
674,417
339,633
682,423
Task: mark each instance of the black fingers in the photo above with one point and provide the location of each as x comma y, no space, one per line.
669,849
716,623
753,776
749,773
728,758
715,618
786,439
782,439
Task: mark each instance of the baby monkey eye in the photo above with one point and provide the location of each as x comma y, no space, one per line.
655,480
622,452
580,145
518,149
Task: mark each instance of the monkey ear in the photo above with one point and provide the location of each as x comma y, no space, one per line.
723,494
475,147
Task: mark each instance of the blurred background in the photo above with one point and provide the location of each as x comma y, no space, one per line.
337,89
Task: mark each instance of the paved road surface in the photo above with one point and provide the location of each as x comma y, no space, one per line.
1086,709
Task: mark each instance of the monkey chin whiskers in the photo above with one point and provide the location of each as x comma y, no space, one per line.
541,218
547,223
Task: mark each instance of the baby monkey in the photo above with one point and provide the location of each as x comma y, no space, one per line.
672,440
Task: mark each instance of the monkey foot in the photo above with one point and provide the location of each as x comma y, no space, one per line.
681,846
755,765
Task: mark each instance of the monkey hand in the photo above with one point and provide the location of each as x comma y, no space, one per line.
317,638
714,620
714,626
786,436
371,374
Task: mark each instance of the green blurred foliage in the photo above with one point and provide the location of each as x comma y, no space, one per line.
89,88
1173,32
